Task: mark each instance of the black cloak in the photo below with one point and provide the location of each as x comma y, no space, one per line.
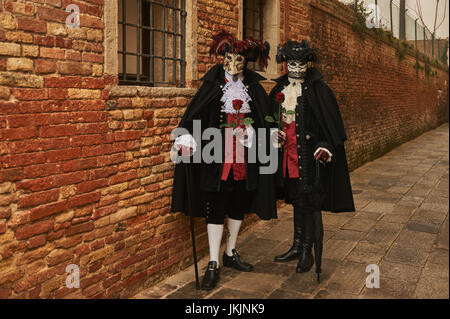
322,105
205,106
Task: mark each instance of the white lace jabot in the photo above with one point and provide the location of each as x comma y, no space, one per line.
291,92
235,91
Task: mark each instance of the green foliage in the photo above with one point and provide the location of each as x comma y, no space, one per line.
401,47
418,66
360,12
247,121
427,69
269,119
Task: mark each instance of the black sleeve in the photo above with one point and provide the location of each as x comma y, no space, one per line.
315,134
195,109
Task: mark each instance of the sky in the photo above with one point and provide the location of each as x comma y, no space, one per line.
428,11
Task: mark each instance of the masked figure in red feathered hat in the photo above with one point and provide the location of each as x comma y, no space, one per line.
232,100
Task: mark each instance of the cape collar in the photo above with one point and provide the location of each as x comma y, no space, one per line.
217,74
312,75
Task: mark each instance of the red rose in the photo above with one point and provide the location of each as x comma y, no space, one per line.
279,97
237,104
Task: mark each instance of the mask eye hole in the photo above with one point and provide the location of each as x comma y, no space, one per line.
293,64
239,59
229,57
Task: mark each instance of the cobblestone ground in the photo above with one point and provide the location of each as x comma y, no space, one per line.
401,224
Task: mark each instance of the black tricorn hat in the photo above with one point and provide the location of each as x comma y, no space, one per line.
293,50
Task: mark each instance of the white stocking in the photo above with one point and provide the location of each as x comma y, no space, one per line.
233,230
215,233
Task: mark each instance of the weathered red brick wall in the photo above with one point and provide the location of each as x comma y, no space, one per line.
384,100
212,17
85,174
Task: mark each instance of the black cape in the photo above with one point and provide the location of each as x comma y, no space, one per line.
338,195
205,106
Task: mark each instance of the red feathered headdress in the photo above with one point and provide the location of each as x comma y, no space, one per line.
251,48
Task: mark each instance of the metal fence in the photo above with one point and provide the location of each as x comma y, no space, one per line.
386,14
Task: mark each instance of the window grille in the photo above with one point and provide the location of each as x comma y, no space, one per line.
152,42
253,24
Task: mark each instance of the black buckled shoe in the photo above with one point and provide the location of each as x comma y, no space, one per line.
211,276
236,262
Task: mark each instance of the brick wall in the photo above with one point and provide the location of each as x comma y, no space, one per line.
384,100
85,174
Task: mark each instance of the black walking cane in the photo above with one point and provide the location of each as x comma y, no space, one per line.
191,211
318,224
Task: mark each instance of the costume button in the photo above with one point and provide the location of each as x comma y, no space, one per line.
300,178
298,146
308,136
296,124
298,135
299,156
298,114
299,167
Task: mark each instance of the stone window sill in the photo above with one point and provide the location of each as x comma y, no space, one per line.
144,91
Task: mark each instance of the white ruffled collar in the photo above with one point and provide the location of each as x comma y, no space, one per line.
235,91
291,92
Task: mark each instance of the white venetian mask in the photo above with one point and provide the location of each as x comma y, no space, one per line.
297,69
233,63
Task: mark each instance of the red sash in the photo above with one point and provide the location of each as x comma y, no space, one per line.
238,159
290,156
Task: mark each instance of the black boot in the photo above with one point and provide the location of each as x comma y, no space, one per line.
211,276
296,249
236,262
306,260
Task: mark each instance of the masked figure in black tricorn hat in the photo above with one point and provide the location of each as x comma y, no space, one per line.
312,172
231,99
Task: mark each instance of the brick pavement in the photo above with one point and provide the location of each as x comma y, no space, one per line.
401,224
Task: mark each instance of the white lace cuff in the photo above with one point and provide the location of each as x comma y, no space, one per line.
276,143
250,131
185,140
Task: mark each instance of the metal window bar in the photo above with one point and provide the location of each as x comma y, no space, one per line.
432,44
390,9
439,49
255,9
147,50
424,41
415,32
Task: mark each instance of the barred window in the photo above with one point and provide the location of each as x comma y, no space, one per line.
253,24
152,42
